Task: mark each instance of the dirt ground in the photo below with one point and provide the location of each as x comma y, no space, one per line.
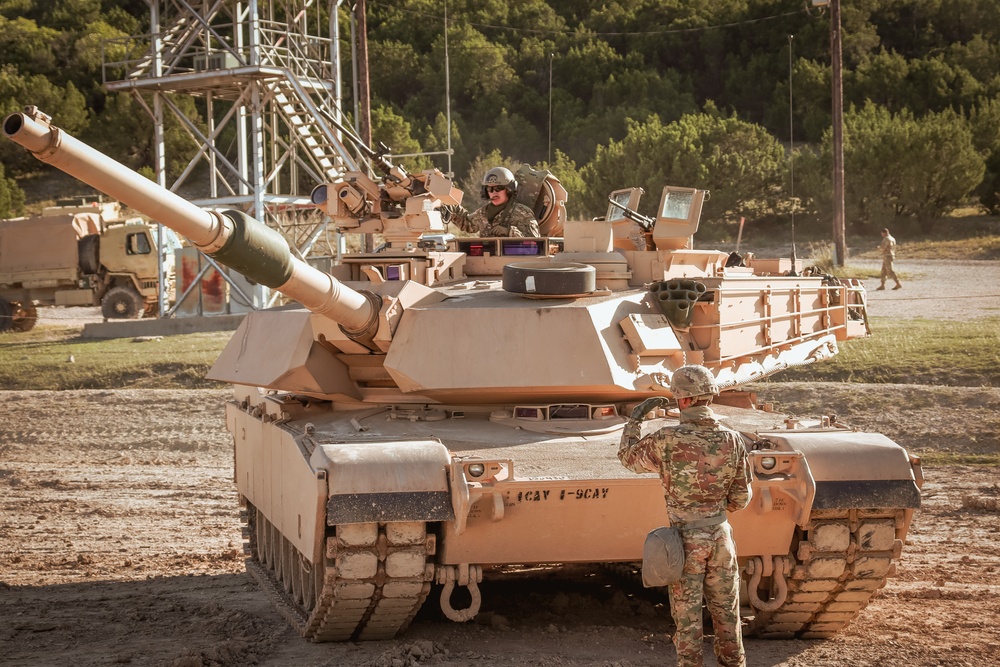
120,544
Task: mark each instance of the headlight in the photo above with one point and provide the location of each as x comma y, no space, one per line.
476,469
768,462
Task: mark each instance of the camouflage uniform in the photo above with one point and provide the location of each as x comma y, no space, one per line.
704,470
511,219
888,250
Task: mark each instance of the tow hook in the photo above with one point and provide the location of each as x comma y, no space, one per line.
463,575
779,587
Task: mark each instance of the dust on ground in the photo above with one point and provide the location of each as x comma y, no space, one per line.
120,539
120,543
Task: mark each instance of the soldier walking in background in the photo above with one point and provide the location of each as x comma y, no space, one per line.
705,472
888,250
502,216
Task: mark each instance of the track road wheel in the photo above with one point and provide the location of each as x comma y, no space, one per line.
25,316
6,316
369,583
841,561
122,303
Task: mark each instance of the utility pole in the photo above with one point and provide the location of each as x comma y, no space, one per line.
447,89
364,90
839,236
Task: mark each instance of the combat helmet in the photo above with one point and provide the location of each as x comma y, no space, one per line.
499,176
693,382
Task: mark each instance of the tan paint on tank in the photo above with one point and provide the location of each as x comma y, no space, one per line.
272,471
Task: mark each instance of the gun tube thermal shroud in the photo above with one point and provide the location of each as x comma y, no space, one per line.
231,237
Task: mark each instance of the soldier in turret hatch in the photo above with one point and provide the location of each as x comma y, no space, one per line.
502,216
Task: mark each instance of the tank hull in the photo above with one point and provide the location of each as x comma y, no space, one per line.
818,539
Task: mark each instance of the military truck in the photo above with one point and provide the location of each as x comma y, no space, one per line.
430,417
80,252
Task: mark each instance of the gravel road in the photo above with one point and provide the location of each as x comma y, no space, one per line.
937,289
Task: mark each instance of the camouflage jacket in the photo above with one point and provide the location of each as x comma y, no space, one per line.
703,465
513,219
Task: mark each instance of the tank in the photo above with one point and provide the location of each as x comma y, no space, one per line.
430,416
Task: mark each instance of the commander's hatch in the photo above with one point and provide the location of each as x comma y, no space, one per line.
626,198
677,217
624,231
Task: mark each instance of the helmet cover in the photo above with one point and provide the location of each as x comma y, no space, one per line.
693,381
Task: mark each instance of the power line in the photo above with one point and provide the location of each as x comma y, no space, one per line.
567,32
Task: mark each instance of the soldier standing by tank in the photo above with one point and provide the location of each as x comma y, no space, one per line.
502,216
888,250
704,470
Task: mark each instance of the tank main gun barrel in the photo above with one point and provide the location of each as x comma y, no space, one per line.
233,238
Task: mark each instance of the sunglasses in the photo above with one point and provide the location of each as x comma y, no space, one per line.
496,188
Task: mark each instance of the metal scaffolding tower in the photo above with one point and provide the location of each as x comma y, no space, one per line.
266,87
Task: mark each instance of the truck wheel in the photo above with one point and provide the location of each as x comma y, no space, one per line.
25,316
122,303
6,316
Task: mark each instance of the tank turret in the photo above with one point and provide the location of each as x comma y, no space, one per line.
433,416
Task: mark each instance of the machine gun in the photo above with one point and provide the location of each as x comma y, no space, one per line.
642,220
400,206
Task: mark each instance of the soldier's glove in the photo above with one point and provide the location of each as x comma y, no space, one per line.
451,212
640,411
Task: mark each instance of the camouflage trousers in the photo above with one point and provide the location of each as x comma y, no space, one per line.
710,572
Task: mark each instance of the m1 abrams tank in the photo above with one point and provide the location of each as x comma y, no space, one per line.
430,416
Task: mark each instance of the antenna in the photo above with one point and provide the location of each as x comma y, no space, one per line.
791,152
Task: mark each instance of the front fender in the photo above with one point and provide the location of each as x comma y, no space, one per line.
854,470
378,481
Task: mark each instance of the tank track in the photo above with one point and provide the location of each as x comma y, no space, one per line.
842,559
373,578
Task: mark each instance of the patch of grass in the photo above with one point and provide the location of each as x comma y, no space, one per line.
958,354
55,358
978,247
946,458
820,256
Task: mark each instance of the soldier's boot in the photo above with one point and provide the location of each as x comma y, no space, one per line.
899,285
882,286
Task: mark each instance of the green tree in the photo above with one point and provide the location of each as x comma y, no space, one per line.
96,45
985,119
394,131
941,167
393,66
11,196
124,131
65,105
28,46
514,135
566,171
895,165
739,162
435,138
